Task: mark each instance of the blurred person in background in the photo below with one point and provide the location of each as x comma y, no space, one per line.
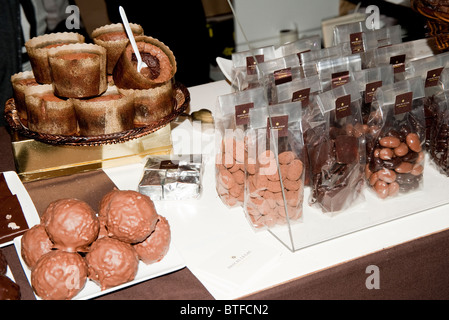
181,25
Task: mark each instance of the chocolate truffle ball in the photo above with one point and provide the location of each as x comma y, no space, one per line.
3,263
59,275
34,244
71,224
9,290
156,246
130,215
111,262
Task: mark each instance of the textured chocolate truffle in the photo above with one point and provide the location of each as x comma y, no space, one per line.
111,262
9,290
130,216
156,246
59,275
34,244
71,224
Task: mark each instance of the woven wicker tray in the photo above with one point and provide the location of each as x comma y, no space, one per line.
182,97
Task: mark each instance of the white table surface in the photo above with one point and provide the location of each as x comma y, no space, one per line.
209,235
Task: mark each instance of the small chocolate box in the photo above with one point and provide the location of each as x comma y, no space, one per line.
172,177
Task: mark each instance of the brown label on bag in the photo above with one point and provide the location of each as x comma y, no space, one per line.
370,90
343,106
433,76
169,164
242,113
282,76
356,41
403,103
303,96
278,123
398,63
340,78
251,63
299,55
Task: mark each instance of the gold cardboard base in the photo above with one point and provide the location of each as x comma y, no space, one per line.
37,160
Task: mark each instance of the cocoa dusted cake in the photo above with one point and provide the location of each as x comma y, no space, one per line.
160,61
78,70
108,113
20,82
37,49
48,113
114,39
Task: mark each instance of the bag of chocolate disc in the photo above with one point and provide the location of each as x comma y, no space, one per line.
369,80
245,64
336,149
313,56
395,139
336,72
231,122
396,55
429,69
439,138
299,46
274,190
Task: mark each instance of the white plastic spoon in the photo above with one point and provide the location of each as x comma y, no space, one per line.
140,63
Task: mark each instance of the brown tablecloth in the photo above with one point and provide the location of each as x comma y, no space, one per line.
413,270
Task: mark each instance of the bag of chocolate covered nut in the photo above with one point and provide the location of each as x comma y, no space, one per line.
245,74
395,139
274,188
231,122
336,149
277,72
438,147
430,70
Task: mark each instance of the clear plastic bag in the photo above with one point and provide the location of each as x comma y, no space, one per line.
231,122
274,190
245,64
336,149
356,35
335,72
430,70
369,80
395,139
439,137
301,45
396,55
362,39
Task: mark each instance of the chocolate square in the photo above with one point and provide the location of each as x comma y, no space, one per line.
12,219
346,149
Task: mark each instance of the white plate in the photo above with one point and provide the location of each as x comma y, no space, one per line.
29,210
171,262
